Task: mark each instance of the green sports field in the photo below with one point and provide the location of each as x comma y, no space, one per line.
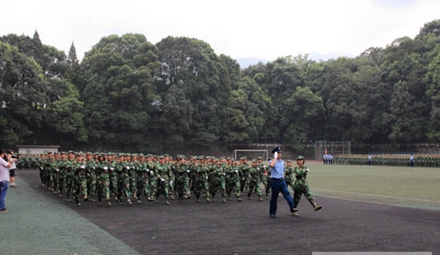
405,186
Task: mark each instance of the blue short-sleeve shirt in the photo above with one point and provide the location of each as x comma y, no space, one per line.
277,171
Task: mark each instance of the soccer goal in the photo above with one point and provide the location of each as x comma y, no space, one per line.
334,148
251,154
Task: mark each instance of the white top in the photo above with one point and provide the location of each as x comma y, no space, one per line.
4,171
13,166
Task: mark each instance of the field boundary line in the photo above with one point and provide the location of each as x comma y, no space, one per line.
377,195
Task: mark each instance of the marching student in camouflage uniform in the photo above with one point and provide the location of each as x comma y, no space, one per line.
132,163
122,168
217,181
162,180
143,180
113,175
55,173
288,174
90,177
301,185
201,180
182,172
233,180
70,174
171,176
244,174
102,180
48,170
62,173
152,173
266,183
255,176
80,184
265,175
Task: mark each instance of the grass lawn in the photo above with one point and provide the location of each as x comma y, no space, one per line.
414,187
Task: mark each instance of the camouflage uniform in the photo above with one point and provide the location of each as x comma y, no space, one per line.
217,181
201,182
301,185
152,174
162,180
233,181
102,180
182,172
80,185
70,176
142,181
91,178
244,175
288,175
255,176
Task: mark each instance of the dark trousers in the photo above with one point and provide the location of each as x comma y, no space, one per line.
278,186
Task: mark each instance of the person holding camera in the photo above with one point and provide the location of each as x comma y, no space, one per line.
4,178
13,159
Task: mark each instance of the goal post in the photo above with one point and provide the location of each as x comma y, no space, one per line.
251,154
331,147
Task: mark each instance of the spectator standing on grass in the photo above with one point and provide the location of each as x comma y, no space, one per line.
278,184
4,179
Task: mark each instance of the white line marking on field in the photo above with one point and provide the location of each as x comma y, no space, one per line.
377,195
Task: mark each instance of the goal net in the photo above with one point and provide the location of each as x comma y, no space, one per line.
332,147
251,154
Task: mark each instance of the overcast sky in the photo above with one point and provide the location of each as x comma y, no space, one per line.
237,28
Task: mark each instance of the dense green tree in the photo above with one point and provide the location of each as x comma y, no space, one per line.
66,114
433,92
302,113
337,94
404,70
257,110
235,118
127,91
192,66
118,75
176,116
22,95
73,67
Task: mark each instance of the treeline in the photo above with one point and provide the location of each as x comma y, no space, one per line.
129,92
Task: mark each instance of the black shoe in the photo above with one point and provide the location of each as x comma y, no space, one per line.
273,216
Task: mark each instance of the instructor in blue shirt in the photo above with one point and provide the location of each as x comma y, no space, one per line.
278,184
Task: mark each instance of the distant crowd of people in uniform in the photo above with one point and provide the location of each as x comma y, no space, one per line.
133,178
419,160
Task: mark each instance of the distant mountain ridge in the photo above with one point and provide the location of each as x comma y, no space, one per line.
246,62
